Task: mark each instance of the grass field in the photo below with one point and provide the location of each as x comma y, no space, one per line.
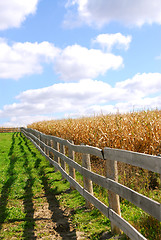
28,191
35,202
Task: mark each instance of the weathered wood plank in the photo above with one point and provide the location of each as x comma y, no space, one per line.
70,162
62,150
83,192
78,148
57,139
113,198
76,185
58,154
71,154
56,148
98,179
148,205
41,142
149,162
126,227
102,207
97,203
86,149
88,185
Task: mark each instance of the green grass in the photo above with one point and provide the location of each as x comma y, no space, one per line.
25,176
27,181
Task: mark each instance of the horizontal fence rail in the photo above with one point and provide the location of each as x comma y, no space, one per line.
149,162
53,147
6,130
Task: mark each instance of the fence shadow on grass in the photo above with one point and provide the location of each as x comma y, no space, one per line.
61,221
8,184
28,197
12,144
27,145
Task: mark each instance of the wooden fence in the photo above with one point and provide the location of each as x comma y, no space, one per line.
53,148
6,130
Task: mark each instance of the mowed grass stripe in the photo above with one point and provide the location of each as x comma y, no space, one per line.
24,188
32,197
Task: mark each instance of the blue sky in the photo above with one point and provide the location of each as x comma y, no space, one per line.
72,58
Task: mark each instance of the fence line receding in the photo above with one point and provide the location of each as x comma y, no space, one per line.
9,129
53,148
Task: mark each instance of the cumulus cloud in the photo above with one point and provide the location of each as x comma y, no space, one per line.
74,94
71,64
23,121
129,13
14,12
22,59
67,96
142,84
76,62
76,99
108,41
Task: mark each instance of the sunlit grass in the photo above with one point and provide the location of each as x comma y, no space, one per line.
136,131
20,184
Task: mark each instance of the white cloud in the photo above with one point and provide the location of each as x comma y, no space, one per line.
76,62
131,13
108,41
23,121
72,63
85,97
14,12
142,84
75,94
22,59
68,97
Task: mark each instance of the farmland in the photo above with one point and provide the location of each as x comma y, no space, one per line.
35,202
28,188
137,131
32,192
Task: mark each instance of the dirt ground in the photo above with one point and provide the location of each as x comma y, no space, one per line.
53,222
45,219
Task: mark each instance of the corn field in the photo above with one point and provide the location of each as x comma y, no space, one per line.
136,131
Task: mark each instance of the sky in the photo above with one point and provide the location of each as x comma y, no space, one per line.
74,58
